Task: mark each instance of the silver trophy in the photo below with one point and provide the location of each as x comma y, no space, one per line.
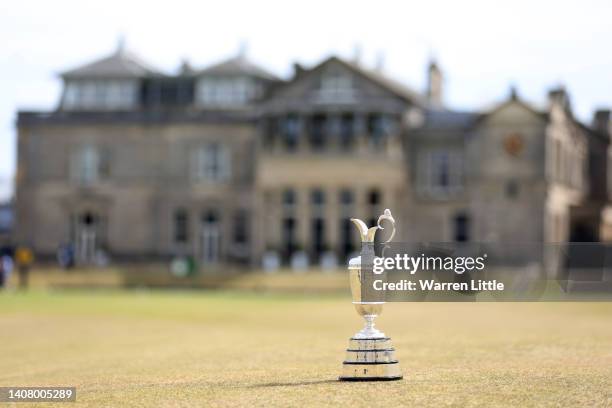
370,356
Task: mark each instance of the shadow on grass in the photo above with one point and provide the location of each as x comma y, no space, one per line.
291,384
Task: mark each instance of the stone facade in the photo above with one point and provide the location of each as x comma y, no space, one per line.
230,162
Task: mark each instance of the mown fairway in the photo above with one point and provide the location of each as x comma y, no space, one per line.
165,349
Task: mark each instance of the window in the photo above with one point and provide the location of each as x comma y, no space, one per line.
100,94
290,132
512,189
346,197
71,95
241,227
289,199
461,228
181,226
229,91
441,173
213,163
318,127
317,199
88,165
318,236
347,132
336,85
374,197
288,232
119,94
88,95
376,130
440,170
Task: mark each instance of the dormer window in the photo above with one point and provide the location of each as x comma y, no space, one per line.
225,92
336,86
99,94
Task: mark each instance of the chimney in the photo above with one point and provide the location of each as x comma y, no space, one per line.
298,69
434,84
601,121
559,96
513,93
186,68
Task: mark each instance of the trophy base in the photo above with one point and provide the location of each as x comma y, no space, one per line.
370,360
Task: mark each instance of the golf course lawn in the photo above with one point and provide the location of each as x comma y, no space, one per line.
199,348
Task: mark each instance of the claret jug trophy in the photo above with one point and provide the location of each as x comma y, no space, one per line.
370,356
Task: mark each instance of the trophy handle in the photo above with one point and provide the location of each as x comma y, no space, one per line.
386,216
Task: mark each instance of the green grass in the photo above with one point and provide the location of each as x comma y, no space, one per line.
142,348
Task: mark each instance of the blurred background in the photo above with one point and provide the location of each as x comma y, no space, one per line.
206,139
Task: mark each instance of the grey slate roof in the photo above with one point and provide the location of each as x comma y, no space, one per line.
447,119
388,83
238,65
120,64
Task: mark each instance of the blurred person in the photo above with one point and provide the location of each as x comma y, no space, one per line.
3,275
23,258
7,267
101,258
65,256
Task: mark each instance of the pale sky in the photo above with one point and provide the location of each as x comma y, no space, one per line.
482,46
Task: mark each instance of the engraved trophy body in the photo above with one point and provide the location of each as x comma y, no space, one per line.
370,356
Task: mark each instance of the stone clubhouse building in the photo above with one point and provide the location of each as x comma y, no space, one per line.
231,162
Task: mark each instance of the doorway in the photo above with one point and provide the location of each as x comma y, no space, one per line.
210,234
86,236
